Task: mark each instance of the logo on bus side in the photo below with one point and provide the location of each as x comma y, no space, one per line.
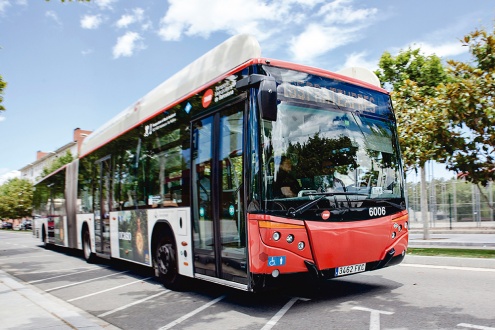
207,98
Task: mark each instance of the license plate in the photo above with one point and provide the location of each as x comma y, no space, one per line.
351,269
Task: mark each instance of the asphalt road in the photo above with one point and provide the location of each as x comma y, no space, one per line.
125,296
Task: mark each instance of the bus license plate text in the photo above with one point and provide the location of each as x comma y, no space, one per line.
351,269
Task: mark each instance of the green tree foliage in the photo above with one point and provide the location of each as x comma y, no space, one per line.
423,130
468,102
422,127
56,164
16,198
3,84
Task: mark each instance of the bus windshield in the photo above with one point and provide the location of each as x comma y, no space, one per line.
322,155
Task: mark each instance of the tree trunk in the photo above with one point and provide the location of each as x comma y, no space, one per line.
424,204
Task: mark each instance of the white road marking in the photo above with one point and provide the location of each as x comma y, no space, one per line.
132,304
110,289
273,321
56,270
50,278
194,312
473,326
472,269
374,316
91,279
31,257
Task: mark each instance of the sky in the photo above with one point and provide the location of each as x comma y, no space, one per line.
77,65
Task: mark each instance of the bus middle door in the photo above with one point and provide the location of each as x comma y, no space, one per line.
102,205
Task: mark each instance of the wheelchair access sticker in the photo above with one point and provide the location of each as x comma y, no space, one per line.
276,261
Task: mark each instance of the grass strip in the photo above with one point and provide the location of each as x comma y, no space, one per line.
447,252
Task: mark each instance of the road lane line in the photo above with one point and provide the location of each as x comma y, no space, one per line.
473,326
50,278
273,321
194,312
133,303
450,267
374,316
31,257
82,282
56,270
109,289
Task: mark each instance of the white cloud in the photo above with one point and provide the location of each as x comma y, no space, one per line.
331,24
91,22
127,44
87,52
105,4
441,50
200,18
4,4
2,118
341,11
7,174
53,15
359,60
317,40
128,19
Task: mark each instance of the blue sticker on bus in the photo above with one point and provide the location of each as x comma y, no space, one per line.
188,107
276,261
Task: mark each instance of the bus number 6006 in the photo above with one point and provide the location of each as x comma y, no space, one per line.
377,211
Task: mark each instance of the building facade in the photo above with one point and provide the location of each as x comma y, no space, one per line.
33,170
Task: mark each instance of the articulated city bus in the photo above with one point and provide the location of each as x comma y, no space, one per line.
238,170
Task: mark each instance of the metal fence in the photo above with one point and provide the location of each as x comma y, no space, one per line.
453,201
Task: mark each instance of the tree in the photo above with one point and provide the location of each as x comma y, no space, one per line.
16,198
56,164
3,84
423,129
468,101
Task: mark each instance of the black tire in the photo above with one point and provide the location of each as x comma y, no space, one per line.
166,263
86,246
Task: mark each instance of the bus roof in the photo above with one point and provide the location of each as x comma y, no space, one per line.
231,54
218,61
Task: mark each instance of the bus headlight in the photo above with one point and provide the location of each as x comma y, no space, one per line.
276,236
300,245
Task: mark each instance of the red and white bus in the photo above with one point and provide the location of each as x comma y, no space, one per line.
238,170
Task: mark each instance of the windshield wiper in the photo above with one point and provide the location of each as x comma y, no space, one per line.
293,212
398,206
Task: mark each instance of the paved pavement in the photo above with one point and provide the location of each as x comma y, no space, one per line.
40,310
47,311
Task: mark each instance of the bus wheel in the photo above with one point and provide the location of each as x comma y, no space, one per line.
166,263
86,245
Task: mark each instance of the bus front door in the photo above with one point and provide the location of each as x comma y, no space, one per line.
102,205
218,198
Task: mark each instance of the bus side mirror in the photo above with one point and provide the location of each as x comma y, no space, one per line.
267,99
267,93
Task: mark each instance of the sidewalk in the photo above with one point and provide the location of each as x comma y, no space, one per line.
25,307
455,235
